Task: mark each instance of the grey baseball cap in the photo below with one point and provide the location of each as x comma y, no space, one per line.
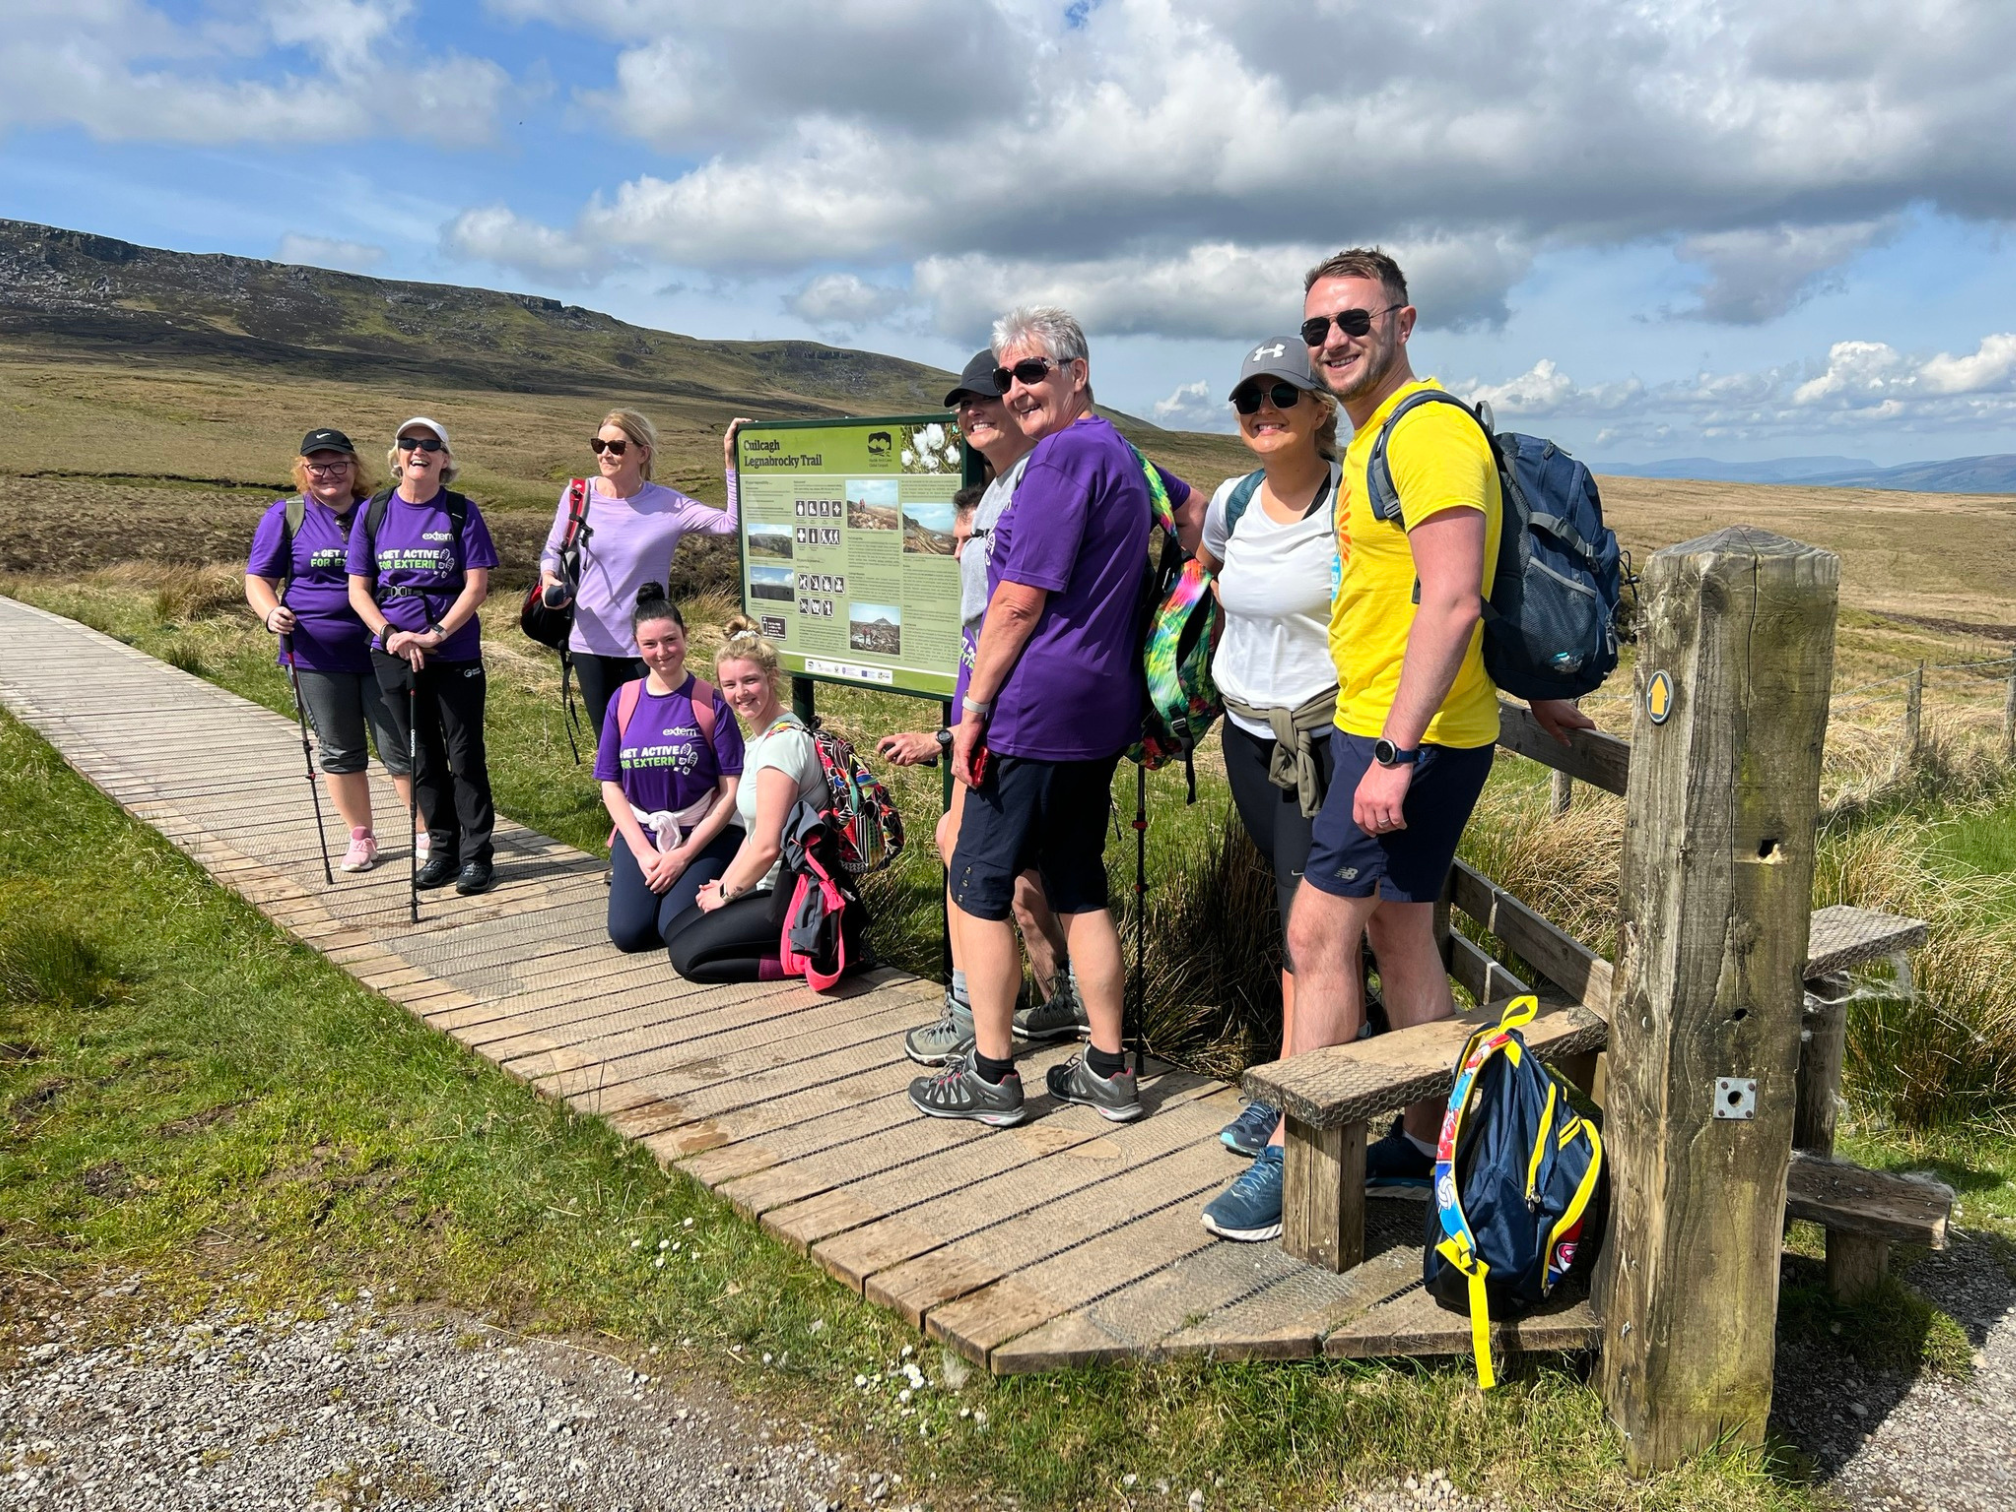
1283,357
977,380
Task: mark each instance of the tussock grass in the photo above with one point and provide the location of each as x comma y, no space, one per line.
47,962
183,592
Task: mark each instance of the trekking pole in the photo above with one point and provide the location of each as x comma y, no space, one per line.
412,796
1138,988
308,757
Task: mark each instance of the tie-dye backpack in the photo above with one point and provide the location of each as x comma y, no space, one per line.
1179,636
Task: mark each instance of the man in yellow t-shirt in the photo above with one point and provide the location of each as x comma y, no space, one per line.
1417,715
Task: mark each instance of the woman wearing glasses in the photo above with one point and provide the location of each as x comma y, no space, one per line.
296,582
419,564
632,528
1269,537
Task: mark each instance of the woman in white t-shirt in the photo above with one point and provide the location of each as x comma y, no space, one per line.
1270,536
730,934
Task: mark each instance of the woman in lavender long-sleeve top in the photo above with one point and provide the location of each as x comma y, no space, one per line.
634,527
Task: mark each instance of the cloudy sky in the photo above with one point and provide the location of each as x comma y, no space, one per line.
1649,228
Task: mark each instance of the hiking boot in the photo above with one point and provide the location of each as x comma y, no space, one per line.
438,871
1249,1210
1249,1132
1112,1097
1063,1017
959,1091
938,1043
1395,1168
476,877
363,852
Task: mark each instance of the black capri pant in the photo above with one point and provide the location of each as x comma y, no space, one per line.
735,943
341,705
1272,815
600,677
640,919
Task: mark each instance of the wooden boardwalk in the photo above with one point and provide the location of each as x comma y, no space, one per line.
1064,1241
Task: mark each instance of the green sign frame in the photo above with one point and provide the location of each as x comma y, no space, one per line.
845,547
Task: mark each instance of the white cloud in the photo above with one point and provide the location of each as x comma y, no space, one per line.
124,70
1195,406
845,301
495,235
1758,273
321,252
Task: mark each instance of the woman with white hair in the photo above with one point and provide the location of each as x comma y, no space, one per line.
419,566
632,528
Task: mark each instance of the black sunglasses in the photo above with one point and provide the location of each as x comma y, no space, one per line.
1350,322
1028,372
615,448
1282,396
420,443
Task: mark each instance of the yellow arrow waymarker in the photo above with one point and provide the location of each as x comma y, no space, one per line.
1659,697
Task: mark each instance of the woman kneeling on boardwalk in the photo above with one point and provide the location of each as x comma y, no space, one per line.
296,582
419,564
730,934
669,763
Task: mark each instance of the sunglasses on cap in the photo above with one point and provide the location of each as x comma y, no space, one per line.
1281,395
1350,322
420,443
615,448
1029,372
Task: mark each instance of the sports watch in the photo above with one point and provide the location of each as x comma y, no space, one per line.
1388,754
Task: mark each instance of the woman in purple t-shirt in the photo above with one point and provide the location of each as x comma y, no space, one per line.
296,582
669,773
633,528
419,565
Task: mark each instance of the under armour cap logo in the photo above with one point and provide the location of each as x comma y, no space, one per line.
1276,350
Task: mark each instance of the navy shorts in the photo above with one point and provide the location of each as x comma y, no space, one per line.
1409,865
1050,815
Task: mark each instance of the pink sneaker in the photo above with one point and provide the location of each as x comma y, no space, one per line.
363,852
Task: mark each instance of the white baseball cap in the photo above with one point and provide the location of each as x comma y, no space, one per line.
433,425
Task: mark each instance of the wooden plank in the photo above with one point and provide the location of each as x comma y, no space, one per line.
1415,1325
1600,760
1715,889
1823,1052
1856,1264
1290,1319
1484,978
1846,1199
1843,937
1554,953
1323,1194
1351,1083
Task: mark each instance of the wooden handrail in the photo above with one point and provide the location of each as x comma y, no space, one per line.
1554,953
1590,756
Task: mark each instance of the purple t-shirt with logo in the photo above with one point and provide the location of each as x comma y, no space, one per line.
415,550
1078,529
662,760
328,636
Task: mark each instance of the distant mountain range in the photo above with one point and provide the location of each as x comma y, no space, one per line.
1989,475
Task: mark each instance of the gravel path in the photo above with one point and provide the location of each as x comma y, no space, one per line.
1885,1441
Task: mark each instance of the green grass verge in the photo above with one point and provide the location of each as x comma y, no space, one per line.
192,1096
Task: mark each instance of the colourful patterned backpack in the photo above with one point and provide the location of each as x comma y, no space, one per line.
862,816
1179,637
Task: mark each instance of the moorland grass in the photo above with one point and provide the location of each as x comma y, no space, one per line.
198,1100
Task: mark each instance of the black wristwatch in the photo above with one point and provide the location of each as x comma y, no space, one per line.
436,628
944,739
1388,754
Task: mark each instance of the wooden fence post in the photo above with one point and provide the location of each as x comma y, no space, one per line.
1914,710
2009,716
1715,889
1560,794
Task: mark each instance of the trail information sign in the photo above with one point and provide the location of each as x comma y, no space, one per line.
847,548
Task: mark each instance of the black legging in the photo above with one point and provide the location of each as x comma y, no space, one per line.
451,776
1272,815
735,943
600,677
640,919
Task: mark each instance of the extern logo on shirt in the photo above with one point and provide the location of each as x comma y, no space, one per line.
437,535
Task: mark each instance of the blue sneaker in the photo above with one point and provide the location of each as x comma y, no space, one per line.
1250,1209
1249,1132
1395,1168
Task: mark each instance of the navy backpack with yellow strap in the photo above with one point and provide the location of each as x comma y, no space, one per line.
1519,1184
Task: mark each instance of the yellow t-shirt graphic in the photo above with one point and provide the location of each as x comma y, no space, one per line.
1439,460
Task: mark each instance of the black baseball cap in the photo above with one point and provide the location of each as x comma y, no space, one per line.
326,440
977,380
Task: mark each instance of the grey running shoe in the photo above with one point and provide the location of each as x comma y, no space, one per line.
959,1091
1063,1017
938,1043
1114,1099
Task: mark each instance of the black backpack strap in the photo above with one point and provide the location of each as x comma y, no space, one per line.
374,517
290,526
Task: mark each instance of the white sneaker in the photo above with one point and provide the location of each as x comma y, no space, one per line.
423,846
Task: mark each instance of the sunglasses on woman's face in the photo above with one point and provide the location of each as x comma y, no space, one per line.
1282,396
1029,372
615,448
1351,322
420,443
